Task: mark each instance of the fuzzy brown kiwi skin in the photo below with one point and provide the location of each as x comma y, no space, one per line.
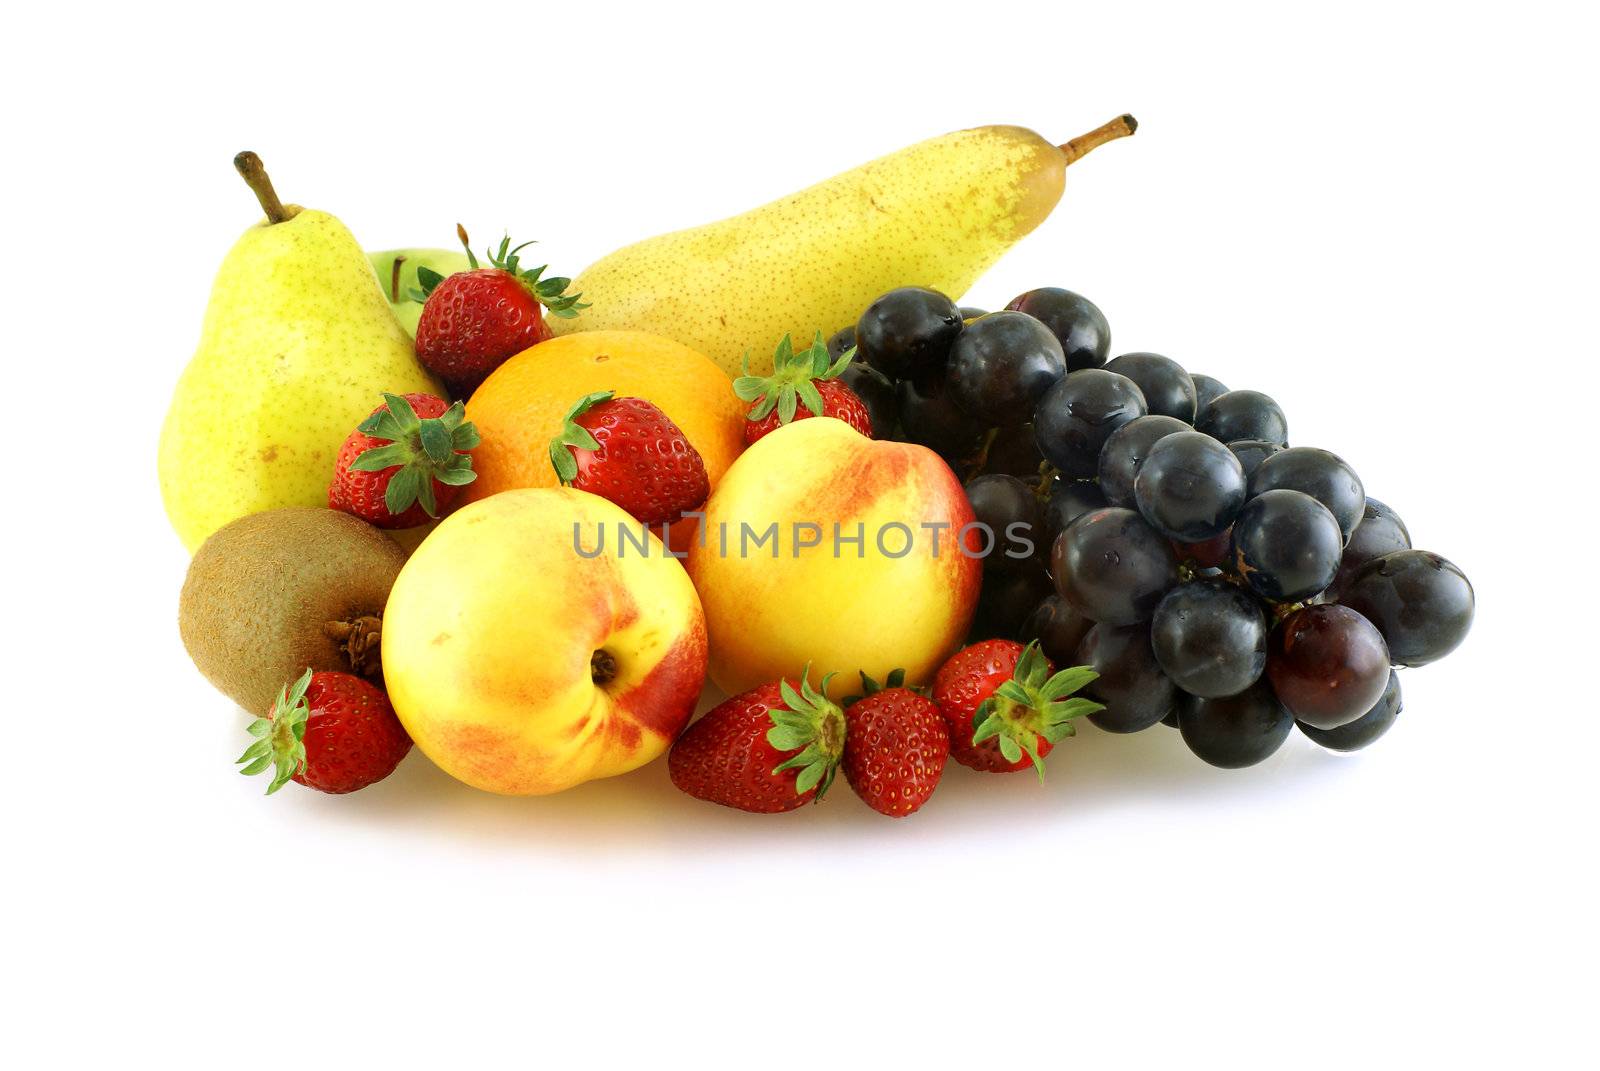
272,593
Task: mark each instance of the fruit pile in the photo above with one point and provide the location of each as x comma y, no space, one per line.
522,521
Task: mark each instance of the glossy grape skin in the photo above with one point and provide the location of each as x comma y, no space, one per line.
1190,487
1206,389
1137,694
1210,638
1235,731
1076,322
929,417
1319,473
877,393
1001,365
1002,502
1167,388
1058,628
1069,500
1286,545
1365,729
1110,565
1243,414
1014,452
1421,603
1126,450
1252,452
1214,553
1327,664
1076,416
908,332
841,340
1380,532
1006,601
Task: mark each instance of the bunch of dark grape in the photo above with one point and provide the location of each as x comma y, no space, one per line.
1218,579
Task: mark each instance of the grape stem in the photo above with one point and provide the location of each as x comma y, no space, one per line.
1084,144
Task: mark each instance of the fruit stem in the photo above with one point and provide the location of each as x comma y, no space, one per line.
1083,144
394,280
249,165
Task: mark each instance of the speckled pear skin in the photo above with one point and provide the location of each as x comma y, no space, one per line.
297,346
937,214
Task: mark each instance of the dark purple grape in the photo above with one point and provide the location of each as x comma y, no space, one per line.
1210,638
1006,601
1167,388
929,417
1190,487
1365,729
1001,365
1235,731
1327,664
1206,390
1078,325
969,312
1380,532
1215,553
1008,508
1422,603
876,392
907,333
1243,414
1112,566
1131,685
1069,500
1252,452
1322,475
841,340
1286,545
1058,628
1076,416
1126,450
1014,452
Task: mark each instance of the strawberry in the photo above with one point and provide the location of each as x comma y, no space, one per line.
800,379
405,464
1005,705
895,746
768,750
628,451
473,321
329,731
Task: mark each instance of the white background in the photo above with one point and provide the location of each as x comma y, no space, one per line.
1382,215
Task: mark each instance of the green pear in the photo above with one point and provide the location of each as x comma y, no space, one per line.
297,347
398,284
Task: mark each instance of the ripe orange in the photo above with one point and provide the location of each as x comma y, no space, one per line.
518,409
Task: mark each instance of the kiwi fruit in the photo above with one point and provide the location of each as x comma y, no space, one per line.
273,593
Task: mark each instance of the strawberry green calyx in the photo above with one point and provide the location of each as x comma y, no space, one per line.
425,450
815,725
895,679
575,436
1031,705
551,292
792,380
280,737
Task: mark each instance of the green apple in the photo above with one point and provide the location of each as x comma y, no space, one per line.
397,286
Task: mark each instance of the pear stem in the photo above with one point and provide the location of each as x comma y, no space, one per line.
249,165
1083,144
394,279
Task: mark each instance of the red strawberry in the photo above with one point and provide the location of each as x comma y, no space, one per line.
629,451
329,731
895,747
1005,705
473,321
802,385
768,750
405,464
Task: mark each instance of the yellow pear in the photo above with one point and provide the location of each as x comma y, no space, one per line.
936,214
297,347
